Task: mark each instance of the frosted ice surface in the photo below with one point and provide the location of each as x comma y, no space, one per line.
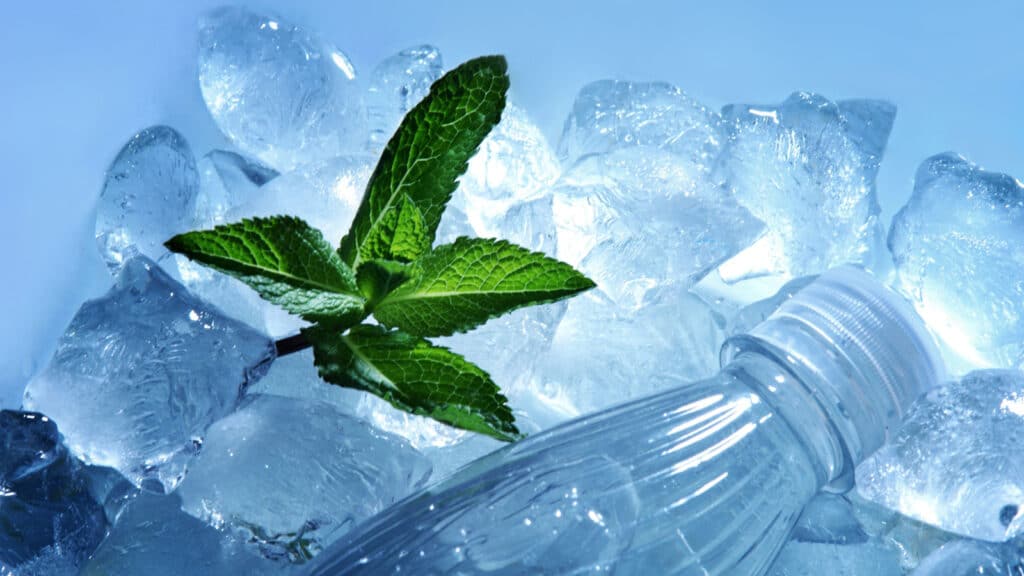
154,537
226,180
149,196
959,257
970,558
610,114
293,475
957,462
45,502
397,84
807,168
638,218
141,372
277,91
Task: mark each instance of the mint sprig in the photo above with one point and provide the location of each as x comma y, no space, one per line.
385,267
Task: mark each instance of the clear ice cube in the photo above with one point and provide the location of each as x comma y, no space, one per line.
610,114
141,372
958,257
277,91
153,536
45,503
149,195
514,164
638,218
293,475
957,461
397,84
807,168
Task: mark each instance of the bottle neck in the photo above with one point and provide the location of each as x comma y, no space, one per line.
841,361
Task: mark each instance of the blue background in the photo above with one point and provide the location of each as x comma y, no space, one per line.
80,78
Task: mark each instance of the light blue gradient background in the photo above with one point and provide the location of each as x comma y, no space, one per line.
79,78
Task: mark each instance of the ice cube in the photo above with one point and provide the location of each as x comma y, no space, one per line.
806,168
141,372
639,218
970,558
854,537
293,475
397,84
226,180
45,504
957,461
514,164
958,256
153,536
610,114
149,196
276,90
603,354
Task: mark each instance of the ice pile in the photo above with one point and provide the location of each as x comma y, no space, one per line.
959,258
695,225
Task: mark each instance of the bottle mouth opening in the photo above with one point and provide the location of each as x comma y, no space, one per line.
861,350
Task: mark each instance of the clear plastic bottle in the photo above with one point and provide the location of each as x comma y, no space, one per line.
705,479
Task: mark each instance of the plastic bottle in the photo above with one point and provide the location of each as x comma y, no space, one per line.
705,479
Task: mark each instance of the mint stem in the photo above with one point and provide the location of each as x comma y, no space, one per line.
291,344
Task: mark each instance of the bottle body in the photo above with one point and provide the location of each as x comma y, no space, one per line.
704,479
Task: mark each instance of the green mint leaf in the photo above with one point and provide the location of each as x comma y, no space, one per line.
414,376
424,159
402,233
377,278
462,285
284,259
